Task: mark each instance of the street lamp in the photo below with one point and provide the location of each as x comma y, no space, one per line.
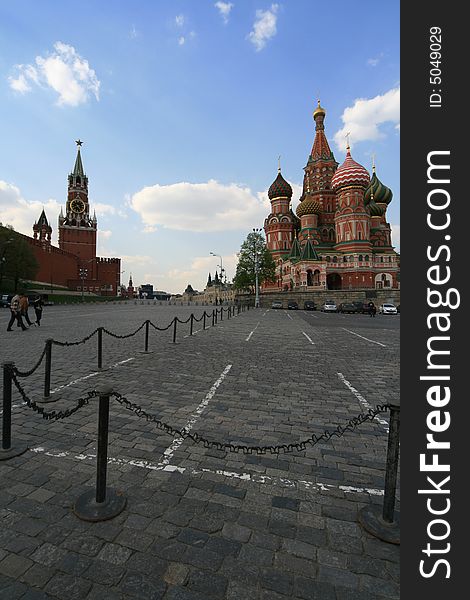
222,270
256,230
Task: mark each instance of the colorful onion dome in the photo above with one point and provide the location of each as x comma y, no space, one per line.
350,173
280,188
308,206
319,111
376,210
380,191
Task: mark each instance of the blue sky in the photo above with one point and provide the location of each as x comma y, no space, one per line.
184,108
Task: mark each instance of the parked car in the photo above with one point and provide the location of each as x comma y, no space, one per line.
5,300
388,309
329,306
347,307
309,305
361,307
276,304
292,305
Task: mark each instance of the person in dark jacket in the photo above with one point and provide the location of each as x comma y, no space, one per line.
372,309
38,304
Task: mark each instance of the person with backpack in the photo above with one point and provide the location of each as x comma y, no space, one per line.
15,313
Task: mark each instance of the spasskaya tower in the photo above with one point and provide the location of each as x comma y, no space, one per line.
77,229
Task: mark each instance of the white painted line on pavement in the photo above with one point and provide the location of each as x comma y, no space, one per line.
168,454
289,316
253,477
309,339
361,399
66,385
266,311
364,338
248,338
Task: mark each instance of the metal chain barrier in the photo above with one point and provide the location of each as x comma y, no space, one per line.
53,414
85,339
161,328
339,431
122,337
33,369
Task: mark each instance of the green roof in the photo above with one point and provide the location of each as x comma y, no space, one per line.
78,168
308,252
295,250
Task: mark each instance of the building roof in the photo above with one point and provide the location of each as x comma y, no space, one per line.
309,252
380,192
295,251
320,148
78,167
280,188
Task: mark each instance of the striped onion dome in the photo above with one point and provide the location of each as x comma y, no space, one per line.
375,209
380,191
308,206
280,188
350,173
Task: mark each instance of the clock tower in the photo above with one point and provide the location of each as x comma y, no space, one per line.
77,229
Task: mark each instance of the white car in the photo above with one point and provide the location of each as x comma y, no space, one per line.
329,306
388,309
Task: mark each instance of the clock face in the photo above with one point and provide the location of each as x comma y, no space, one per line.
77,205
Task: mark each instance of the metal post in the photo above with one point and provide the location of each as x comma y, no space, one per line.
213,318
47,372
100,347
103,503
392,465
191,324
385,523
8,450
222,313
204,321
175,320
216,315
147,336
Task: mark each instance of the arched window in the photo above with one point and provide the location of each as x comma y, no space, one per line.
335,259
360,257
328,259
366,258
345,259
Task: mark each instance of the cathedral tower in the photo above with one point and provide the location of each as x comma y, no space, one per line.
280,224
77,229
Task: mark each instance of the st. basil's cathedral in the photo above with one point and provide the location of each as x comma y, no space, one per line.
340,237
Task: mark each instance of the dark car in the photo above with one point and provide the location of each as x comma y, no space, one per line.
361,307
292,305
309,305
5,300
347,307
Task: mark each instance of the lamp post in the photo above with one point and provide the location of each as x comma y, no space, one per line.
83,274
256,230
222,270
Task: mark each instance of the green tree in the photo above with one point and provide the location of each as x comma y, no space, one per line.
17,260
254,247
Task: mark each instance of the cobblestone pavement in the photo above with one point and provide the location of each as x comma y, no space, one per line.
199,523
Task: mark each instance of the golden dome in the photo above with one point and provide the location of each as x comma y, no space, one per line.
309,206
319,111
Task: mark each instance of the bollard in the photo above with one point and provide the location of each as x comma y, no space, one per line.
103,503
100,347
47,373
221,314
8,450
175,320
204,321
216,315
191,324
213,318
229,310
385,524
146,347
238,309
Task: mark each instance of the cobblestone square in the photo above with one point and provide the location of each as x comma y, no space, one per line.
200,522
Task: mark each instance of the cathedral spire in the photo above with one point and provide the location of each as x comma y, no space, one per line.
321,148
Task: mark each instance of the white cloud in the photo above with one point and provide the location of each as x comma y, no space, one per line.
373,62
224,9
179,20
264,27
21,214
64,71
181,40
133,33
363,119
210,206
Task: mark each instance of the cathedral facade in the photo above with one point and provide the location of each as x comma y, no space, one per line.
339,237
74,263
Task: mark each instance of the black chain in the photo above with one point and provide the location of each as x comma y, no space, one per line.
183,322
122,337
36,366
85,339
161,328
339,431
52,415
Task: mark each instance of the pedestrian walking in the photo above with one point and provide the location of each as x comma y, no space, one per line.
24,305
15,313
372,309
38,304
